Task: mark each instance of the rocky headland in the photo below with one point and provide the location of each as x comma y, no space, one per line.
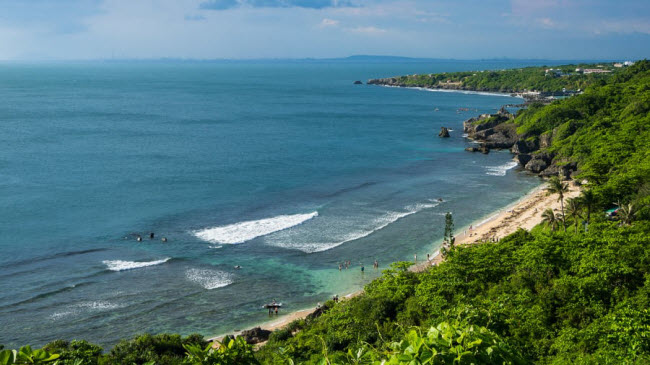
499,131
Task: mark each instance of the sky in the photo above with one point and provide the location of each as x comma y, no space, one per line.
249,29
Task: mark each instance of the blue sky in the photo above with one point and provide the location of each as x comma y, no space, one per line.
206,29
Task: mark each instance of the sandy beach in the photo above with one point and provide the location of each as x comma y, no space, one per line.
525,213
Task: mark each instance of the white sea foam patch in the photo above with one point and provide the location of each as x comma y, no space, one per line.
209,279
500,170
94,306
120,265
331,229
246,231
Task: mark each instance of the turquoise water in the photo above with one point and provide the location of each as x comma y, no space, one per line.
283,168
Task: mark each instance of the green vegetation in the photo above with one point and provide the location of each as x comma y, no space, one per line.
517,80
579,295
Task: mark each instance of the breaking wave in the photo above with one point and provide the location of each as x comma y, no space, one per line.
246,231
500,170
209,279
120,265
377,224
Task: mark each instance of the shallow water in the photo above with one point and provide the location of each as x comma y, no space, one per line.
283,168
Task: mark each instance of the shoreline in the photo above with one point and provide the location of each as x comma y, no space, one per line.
461,91
526,213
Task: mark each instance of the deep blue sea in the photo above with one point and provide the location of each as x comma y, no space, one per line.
283,168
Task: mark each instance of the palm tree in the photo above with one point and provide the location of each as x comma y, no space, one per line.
550,219
589,201
574,210
556,186
627,212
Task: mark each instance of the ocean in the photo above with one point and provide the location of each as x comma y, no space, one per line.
282,168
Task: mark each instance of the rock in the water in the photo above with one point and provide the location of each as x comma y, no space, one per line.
472,149
358,82
256,335
484,149
444,132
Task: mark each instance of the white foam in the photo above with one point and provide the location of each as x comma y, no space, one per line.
94,306
377,225
246,231
500,170
120,265
98,305
209,279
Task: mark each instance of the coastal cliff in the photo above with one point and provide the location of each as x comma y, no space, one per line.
499,131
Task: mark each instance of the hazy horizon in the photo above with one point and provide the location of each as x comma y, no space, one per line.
299,29
350,58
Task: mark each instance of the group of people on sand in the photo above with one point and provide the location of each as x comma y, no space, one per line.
151,237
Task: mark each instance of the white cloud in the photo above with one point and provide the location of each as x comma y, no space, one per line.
367,30
624,26
329,23
547,23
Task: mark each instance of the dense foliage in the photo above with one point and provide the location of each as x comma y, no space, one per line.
516,80
573,290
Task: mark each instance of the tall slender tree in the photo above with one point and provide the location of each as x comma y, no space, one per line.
574,211
556,186
449,229
589,201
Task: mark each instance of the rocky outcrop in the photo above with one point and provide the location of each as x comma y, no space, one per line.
444,132
498,131
358,82
523,159
536,165
317,313
255,335
524,147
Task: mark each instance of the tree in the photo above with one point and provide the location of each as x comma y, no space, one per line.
574,211
449,229
589,201
550,219
556,186
627,212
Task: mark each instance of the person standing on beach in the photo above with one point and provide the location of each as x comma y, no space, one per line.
415,258
362,268
339,267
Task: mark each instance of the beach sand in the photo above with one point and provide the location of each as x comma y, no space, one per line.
526,213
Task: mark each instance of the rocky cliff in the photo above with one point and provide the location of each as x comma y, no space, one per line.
499,131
